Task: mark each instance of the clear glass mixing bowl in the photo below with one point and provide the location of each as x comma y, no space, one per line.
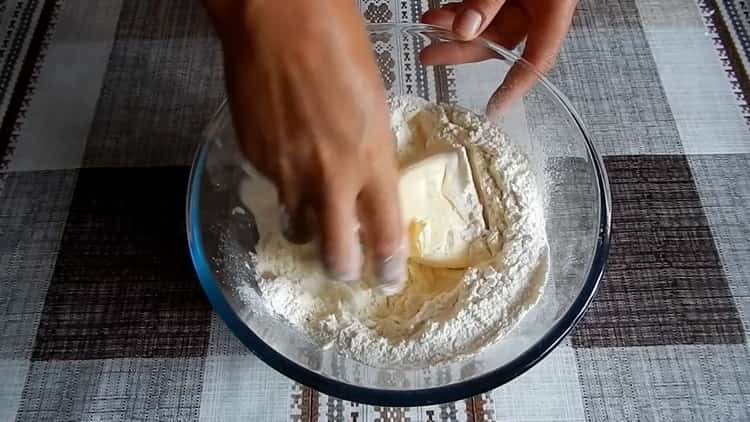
577,212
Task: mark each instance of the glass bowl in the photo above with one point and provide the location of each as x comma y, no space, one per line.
576,205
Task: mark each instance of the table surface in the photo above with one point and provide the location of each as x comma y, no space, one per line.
102,318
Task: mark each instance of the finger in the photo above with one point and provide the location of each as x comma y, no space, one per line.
508,29
475,16
443,16
453,52
449,52
382,223
547,35
340,248
542,47
294,218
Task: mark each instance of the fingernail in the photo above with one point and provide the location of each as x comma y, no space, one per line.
468,23
391,272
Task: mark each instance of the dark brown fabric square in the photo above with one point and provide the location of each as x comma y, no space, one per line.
163,83
665,284
123,285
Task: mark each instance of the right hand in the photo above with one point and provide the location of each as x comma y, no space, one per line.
543,25
309,109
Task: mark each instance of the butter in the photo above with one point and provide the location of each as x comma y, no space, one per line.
441,209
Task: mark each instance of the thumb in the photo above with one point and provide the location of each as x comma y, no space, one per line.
475,16
542,47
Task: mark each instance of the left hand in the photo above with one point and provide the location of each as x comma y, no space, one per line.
542,23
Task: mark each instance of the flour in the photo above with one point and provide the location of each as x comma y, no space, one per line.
442,314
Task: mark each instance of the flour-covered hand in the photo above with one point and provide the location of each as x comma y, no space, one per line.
309,109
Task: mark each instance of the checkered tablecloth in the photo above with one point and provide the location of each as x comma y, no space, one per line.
101,315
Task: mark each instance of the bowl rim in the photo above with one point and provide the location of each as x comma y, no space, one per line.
426,396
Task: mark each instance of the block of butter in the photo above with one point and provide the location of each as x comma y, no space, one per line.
441,209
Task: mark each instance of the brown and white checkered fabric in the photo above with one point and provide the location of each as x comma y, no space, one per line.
102,318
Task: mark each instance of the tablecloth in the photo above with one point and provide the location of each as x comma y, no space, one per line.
101,315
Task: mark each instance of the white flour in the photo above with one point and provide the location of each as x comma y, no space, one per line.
442,313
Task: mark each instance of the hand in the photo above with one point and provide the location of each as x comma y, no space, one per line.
309,109
542,23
